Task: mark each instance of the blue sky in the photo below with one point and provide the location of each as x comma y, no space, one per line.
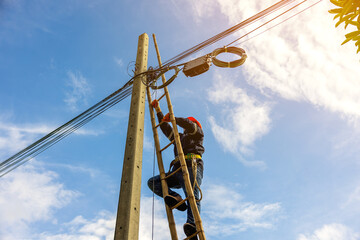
281,131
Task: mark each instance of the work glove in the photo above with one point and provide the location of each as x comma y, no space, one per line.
155,103
166,118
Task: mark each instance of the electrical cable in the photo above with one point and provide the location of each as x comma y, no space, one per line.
170,80
51,139
220,36
278,23
267,22
114,98
227,32
238,51
154,75
66,129
61,132
130,64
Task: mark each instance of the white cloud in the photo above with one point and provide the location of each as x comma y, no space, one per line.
244,119
14,137
331,232
119,61
93,173
103,225
31,194
352,202
161,226
355,195
202,8
79,92
343,144
100,227
227,213
301,59
27,195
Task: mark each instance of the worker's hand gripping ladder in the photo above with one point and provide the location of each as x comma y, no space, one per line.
189,188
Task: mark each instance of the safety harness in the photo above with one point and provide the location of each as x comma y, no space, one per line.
193,164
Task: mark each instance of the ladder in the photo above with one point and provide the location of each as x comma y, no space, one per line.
183,167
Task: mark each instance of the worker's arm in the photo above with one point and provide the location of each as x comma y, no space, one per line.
189,126
165,126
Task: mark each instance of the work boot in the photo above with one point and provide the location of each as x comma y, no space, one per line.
172,201
190,229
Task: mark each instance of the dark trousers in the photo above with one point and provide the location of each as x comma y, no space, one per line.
176,181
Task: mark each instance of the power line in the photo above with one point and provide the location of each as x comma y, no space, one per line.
227,32
61,132
114,98
275,24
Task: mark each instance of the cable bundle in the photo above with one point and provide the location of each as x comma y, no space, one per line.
114,98
64,130
153,75
238,51
227,32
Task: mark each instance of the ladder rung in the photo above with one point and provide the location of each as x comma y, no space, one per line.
158,124
161,97
179,203
191,236
172,173
167,145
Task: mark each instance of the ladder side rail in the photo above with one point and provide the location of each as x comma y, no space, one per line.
186,177
181,156
164,186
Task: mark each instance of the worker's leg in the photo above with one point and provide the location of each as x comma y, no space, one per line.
199,176
154,184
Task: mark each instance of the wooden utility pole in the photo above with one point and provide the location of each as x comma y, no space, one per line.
128,214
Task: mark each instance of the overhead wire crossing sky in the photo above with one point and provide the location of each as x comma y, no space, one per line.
66,129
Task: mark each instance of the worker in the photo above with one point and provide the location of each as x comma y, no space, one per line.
192,144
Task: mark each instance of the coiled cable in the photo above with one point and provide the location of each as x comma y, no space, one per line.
235,50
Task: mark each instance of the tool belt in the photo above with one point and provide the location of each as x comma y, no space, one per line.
188,158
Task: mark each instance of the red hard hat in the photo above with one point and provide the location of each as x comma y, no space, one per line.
195,121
